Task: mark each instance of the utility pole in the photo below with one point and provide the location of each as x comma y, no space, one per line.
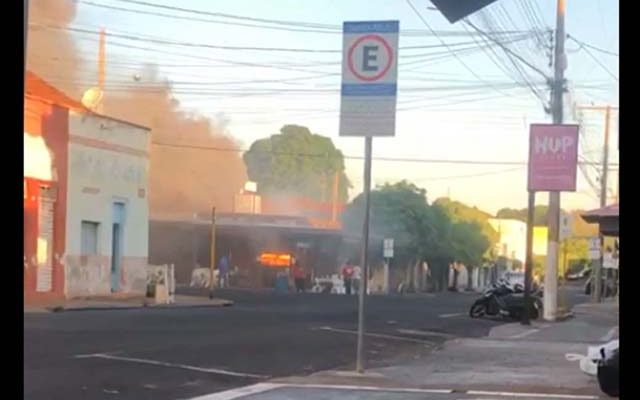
551,272
597,295
212,253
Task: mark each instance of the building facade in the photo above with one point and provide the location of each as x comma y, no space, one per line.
85,199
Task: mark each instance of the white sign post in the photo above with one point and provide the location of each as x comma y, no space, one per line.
368,109
387,254
594,248
566,223
387,248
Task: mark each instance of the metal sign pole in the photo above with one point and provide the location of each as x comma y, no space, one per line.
365,253
528,266
368,97
212,253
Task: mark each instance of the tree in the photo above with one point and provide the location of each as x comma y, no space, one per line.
421,232
460,212
296,161
470,243
539,214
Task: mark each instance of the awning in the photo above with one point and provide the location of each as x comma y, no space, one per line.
607,218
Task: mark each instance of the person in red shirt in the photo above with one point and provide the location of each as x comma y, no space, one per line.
347,276
298,277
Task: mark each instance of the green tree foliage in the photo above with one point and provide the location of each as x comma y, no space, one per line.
421,232
298,162
460,212
539,215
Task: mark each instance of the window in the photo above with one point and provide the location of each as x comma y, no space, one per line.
89,237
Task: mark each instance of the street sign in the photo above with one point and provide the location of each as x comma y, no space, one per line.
553,158
566,224
455,10
387,248
594,248
369,78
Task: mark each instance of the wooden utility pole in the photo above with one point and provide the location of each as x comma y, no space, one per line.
213,252
557,91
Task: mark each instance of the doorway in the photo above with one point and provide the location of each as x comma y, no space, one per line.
116,245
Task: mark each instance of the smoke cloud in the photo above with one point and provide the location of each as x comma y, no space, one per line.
183,179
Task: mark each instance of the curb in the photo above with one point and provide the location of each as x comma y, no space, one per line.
225,303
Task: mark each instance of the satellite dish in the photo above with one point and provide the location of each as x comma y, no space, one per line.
92,98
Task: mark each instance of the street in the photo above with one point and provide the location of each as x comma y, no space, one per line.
183,353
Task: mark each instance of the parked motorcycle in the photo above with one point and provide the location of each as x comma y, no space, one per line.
507,301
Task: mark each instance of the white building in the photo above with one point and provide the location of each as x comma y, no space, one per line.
85,199
107,219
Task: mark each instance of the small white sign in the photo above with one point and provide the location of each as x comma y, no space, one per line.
594,248
369,78
387,248
566,223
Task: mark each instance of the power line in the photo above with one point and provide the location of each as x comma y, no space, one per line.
592,47
424,21
348,157
162,41
604,67
476,175
299,26
508,50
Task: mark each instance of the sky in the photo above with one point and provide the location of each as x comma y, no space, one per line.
465,106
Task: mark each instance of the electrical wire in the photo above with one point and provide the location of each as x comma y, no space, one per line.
349,157
592,47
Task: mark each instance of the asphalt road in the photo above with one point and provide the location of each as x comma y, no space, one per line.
182,353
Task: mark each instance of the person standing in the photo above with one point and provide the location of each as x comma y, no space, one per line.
299,276
347,276
356,279
223,270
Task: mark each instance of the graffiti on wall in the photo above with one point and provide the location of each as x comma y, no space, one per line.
100,167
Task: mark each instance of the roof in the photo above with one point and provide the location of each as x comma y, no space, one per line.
611,210
250,221
35,86
608,219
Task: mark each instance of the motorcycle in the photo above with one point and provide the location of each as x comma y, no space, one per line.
507,301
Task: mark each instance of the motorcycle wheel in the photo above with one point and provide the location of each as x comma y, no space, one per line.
477,310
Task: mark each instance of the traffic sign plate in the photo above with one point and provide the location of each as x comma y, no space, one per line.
369,78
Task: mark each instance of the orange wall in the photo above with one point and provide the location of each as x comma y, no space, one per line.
51,123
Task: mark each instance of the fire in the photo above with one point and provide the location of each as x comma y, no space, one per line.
276,260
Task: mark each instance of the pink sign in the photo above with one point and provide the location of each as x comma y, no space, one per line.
553,158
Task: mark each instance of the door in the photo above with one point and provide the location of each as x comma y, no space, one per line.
116,245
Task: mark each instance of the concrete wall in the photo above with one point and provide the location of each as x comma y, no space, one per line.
108,163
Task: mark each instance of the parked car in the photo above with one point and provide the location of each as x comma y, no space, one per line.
582,274
517,278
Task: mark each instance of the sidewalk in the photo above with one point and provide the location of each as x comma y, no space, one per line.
122,302
513,362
